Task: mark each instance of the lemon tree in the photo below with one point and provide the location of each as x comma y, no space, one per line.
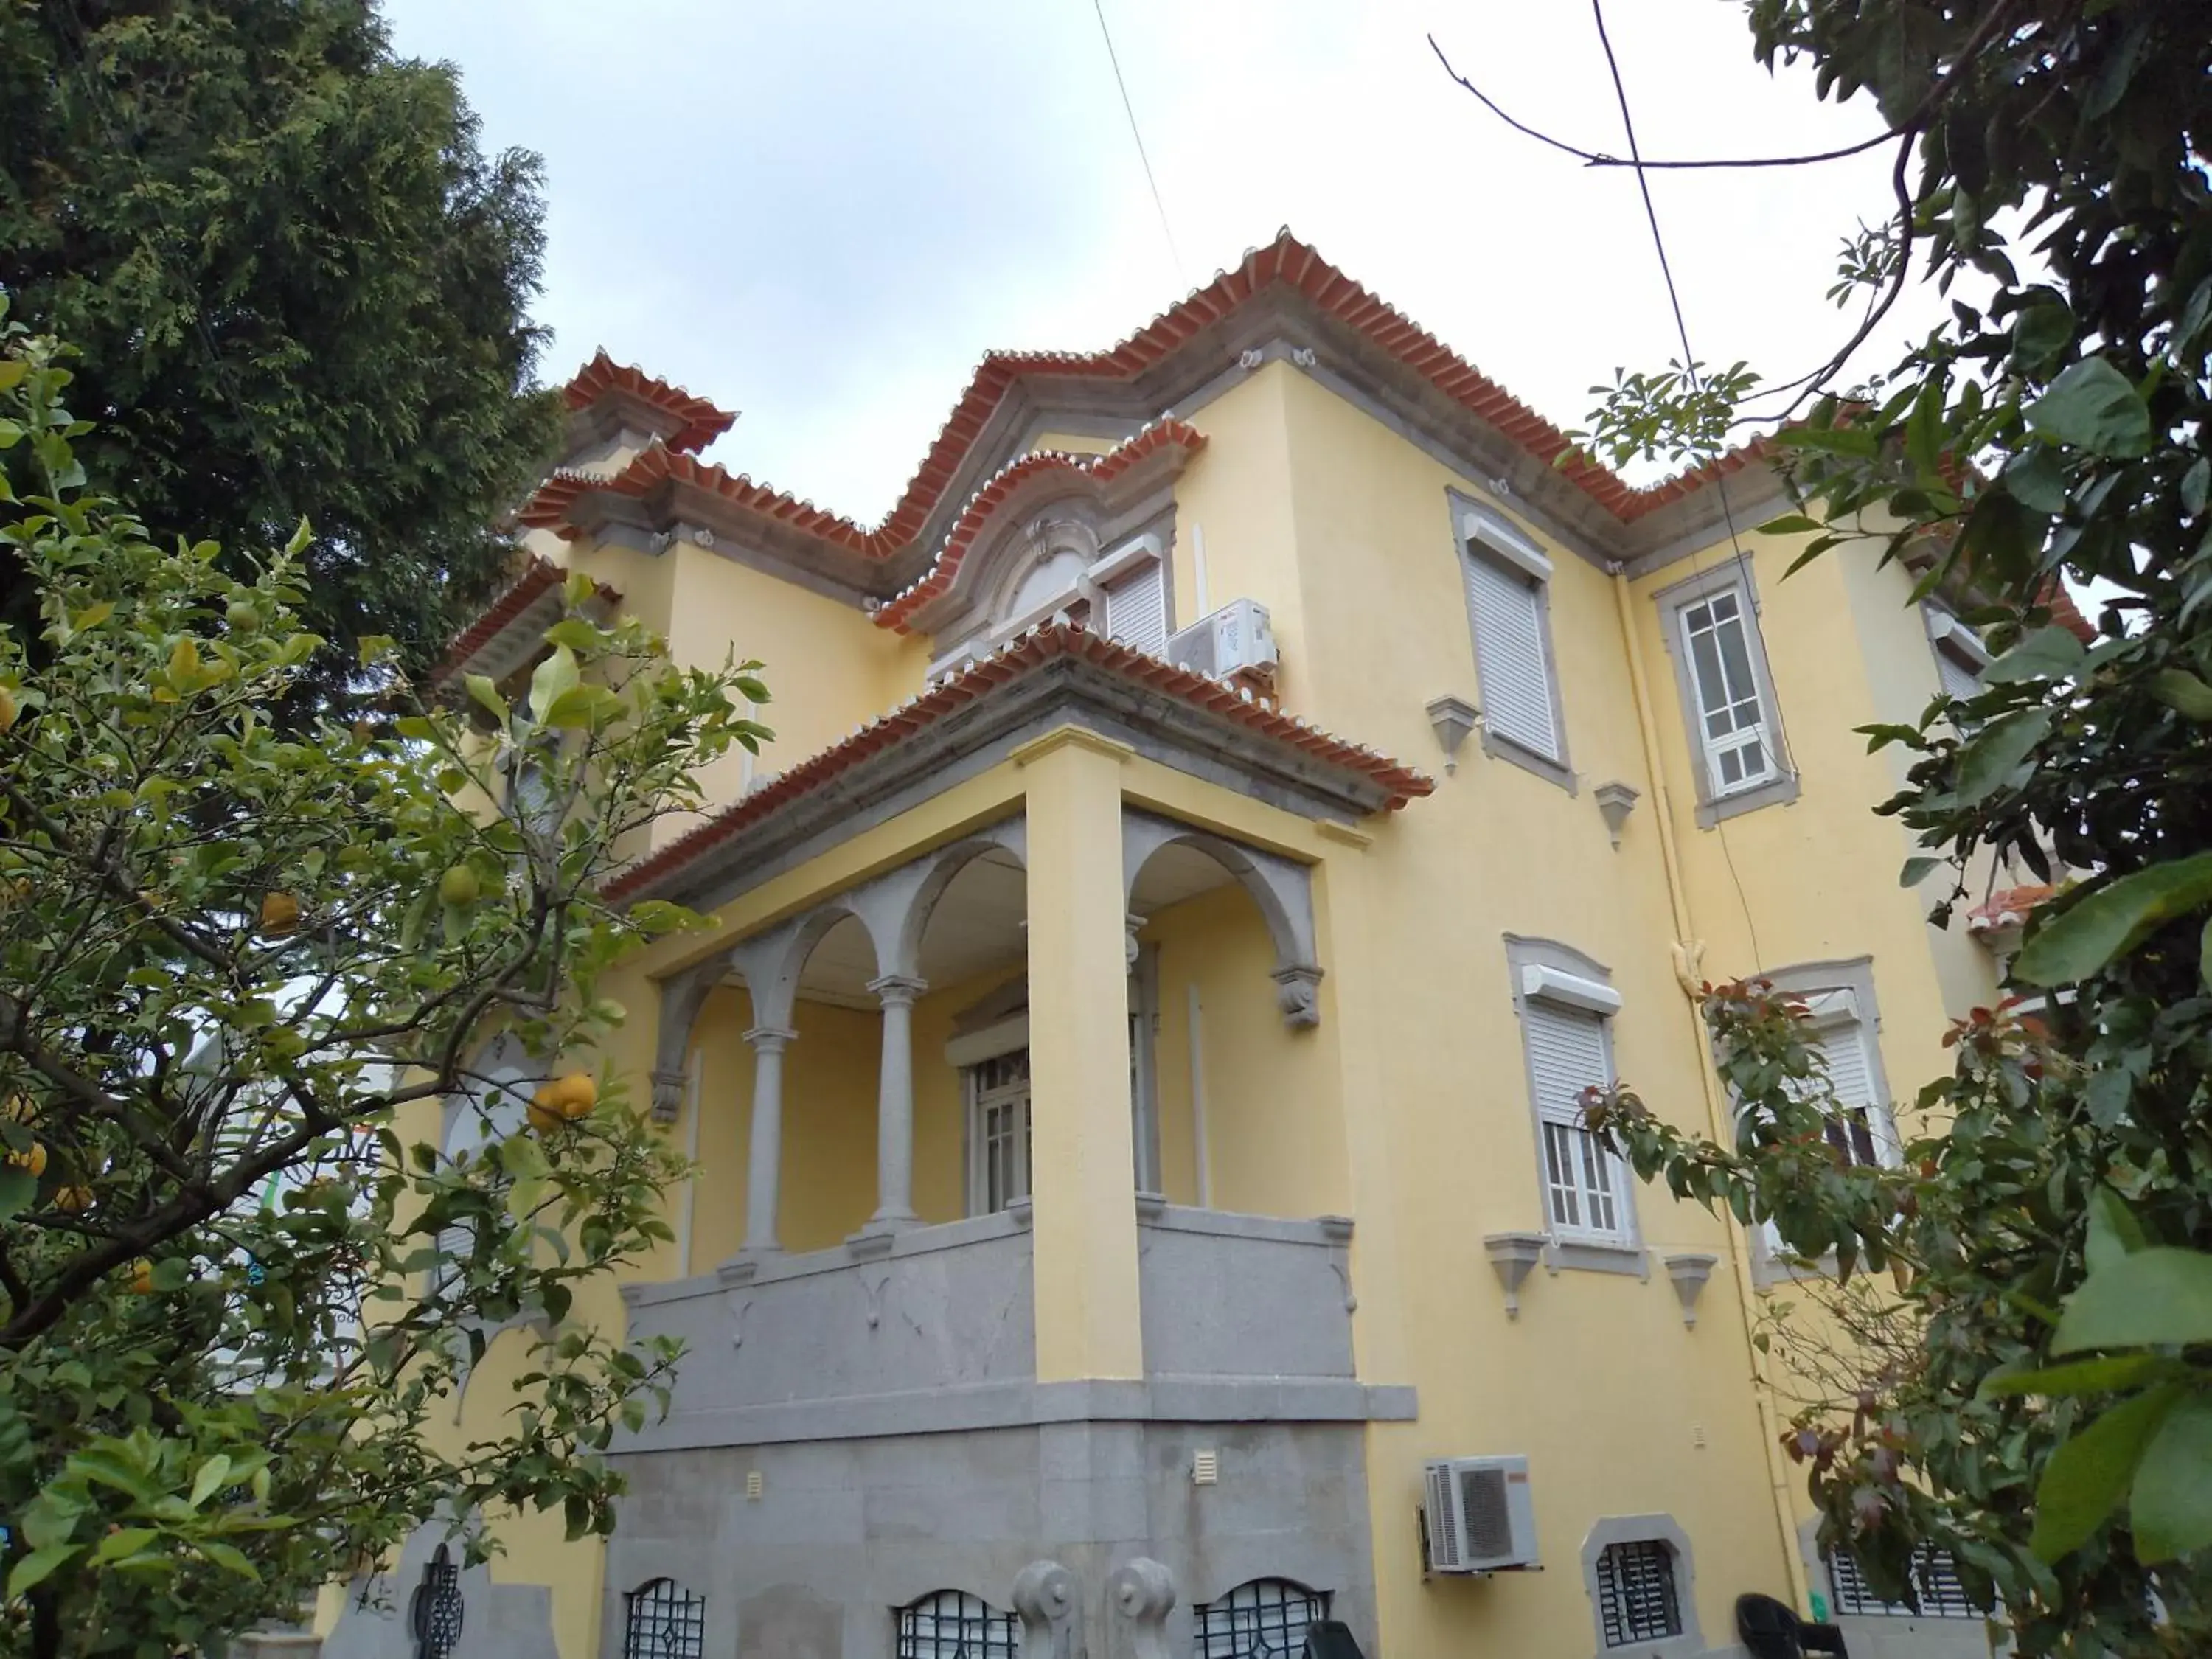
231,1295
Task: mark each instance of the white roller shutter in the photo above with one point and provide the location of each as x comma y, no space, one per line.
1959,680
1582,1179
1137,608
1509,655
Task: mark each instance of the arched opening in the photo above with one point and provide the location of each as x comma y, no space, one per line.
491,1105
1238,1113
827,1186
1261,1618
970,1036
950,1624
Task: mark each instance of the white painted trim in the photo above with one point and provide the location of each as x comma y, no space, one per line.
1554,985
1201,1151
1501,537
1138,550
976,1046
1831,1007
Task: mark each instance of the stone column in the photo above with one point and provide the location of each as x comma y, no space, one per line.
894,1105
764,1169
1082,1171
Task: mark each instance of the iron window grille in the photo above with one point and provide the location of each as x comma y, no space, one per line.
435,1611
1264,1618
954,1624
663,1620
1637,1599
1935,1581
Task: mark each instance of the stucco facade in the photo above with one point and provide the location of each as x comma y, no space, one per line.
1273,981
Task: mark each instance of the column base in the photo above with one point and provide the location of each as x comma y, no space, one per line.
876,1238
741,1269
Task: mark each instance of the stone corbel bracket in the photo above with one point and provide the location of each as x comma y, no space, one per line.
1049,1603
1143,1591
1513,1257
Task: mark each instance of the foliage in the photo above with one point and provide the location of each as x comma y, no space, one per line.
2057,1430
297,282
235,1304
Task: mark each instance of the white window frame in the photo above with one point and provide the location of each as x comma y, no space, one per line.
1749,740
1483,538
1777,781
1560,980
980,1102
1836,993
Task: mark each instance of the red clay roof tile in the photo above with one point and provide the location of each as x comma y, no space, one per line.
538,576
702,421
1398,783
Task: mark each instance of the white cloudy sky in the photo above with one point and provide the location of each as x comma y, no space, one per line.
823,215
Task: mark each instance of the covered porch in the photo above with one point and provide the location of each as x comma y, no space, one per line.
1050,1100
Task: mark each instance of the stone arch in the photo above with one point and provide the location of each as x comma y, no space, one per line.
771,964
1280,887
931,876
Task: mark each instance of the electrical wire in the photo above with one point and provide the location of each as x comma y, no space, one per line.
1130,110
1720,479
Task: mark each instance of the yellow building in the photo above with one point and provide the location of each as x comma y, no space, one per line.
1219,822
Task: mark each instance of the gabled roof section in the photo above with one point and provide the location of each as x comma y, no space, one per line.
684,420
1142,693
984,505
1285,269
513,621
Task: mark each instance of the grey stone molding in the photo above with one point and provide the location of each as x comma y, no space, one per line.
1049,1601
1281,887
1784,787
1143,1592
1638,1528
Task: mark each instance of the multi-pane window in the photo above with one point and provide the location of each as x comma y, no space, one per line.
1735,730
954,1624
663,1620
1583,1190
1935,1582
1263,1619
999,1131
1637,1599
1512,657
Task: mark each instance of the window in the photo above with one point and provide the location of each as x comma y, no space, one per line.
1732,723
1264,1618
999,1131
1584,1193
1935,1582
1137,607
1637,1599
1842,1023
663,1620
1507,578
435,1612
953,1625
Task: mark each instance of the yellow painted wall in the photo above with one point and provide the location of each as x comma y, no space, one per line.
1272,1131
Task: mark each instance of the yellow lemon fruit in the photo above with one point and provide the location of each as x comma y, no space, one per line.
33,1160
73,1199
7,709
280,914
546,1118
141,1276
458,885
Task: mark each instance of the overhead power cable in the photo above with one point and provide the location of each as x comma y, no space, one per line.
1130,110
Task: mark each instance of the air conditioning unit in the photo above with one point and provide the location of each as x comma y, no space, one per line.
1481,1515
1235,642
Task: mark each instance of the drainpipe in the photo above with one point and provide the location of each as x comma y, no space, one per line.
1687,950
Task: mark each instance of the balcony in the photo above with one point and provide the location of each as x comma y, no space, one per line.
1245,1319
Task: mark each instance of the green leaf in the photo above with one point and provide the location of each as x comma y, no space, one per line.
127,1541
2087,1476
1789,523
2036,478
2094,407
213,1473
2196,486
17,1188
1989,762
556,674
2106,1375
2112,921
2046,654
2181,690
2147,1298
2170,1508
486,695
2114,1232
2041,333
574,632
37,1567
1916,870
227,1557
574,709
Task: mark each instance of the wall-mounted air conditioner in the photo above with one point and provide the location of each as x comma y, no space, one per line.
1481,1517
1235,641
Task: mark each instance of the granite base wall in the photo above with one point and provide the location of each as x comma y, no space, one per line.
844,1532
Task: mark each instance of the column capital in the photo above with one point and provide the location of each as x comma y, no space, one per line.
898,989
769,1039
